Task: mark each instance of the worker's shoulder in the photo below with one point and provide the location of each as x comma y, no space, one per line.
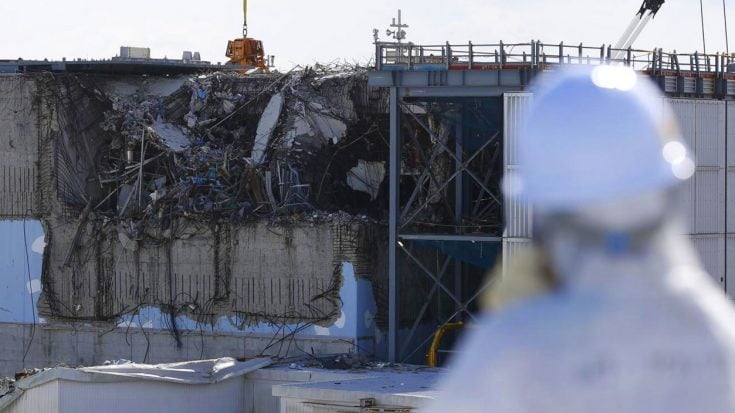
542,319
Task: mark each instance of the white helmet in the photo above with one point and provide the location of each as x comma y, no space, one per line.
595,135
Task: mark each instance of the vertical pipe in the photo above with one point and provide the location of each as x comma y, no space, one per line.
458,202
579,54
561,52
393,211
378,57
472,56
410,56
502,54
449,55
602,54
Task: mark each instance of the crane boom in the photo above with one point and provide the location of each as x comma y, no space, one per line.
647,12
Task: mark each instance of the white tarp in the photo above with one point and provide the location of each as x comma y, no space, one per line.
130,387
189,372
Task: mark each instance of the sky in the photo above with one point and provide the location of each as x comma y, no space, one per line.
304,32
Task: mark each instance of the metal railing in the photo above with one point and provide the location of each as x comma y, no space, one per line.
537,55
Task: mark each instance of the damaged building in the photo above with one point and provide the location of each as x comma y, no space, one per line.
220,202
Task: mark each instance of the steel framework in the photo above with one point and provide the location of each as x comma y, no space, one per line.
444,183
445,212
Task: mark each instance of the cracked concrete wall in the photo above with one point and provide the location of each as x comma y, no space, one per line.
255,271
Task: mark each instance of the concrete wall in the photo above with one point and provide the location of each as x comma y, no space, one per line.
18,146
75,345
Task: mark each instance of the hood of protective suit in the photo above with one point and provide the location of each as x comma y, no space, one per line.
640,331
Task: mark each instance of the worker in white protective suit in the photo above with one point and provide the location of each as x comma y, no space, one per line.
632,323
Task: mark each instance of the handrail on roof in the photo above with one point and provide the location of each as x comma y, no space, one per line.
536,54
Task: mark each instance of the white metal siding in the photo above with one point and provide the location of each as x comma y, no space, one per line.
44,398
710,200
684,110
703,126
730,205
517,211
731,133
688,205
710,133
711,249
730,265
144,397
730,200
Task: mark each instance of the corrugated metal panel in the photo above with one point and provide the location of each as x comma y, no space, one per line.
515,110
684,110
44,398
151,396
517,211
710,133
711,249
731,132
688,205
730,266
730,206
710,200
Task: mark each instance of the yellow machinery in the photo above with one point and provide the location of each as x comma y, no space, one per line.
246,51
432,359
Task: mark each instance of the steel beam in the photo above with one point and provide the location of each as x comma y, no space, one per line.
424,307
458,200
451,154
393,210
465,79
450,237
448,181
434,278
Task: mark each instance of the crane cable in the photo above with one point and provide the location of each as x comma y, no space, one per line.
245,18
701,12
724,13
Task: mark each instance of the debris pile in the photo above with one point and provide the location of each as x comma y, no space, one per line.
239,148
